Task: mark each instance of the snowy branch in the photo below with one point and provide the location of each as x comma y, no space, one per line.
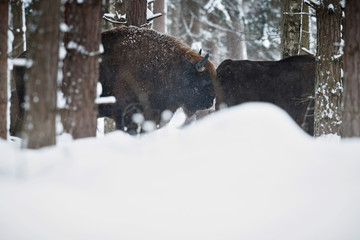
313,3
308,51
113,21
300,13
105,100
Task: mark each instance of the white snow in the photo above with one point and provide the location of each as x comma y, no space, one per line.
105,100
246,172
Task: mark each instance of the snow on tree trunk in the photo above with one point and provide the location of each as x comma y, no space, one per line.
4,12
294,27
41,75
159,23
136,12
351,114
81,67
328,84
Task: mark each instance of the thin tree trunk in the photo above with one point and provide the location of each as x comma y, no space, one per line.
136,12
41,91
305,29
18,47
290,27
4,14
159,23
328,84
235,41
81,67
17,25
28,17
351,114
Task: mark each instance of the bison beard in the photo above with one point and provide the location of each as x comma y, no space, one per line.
288,83
148,72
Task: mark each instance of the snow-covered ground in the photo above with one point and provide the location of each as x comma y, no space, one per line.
243,173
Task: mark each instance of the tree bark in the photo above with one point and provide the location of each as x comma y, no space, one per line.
159,23
4,14
136,13
328,84
81,67
351,114
41,75
294,27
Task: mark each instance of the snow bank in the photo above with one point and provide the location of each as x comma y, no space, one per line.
244,173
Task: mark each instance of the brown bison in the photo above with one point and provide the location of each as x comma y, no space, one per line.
148,72
288,83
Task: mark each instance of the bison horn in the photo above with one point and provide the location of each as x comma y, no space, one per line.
200,65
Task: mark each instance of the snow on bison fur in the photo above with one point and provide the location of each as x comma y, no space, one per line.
288,83
149,72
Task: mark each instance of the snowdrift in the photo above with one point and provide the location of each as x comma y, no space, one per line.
246,172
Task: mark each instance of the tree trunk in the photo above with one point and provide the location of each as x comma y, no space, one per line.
159,23
136,13
41,76
173,22
328,84
235,40
305,29
351,114
294,27
18,47
28,17
4,12
81,67
17,26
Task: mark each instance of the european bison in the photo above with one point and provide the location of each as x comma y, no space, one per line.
148,73
288,83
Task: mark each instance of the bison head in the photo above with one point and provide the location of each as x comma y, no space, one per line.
198,77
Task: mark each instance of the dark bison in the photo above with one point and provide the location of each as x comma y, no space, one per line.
147,72
288,83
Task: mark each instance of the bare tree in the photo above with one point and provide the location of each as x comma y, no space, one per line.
41,75
294,27
4,9
328,84
81,67
136,13
351,114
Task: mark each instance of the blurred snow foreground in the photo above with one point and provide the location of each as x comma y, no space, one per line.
243,173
